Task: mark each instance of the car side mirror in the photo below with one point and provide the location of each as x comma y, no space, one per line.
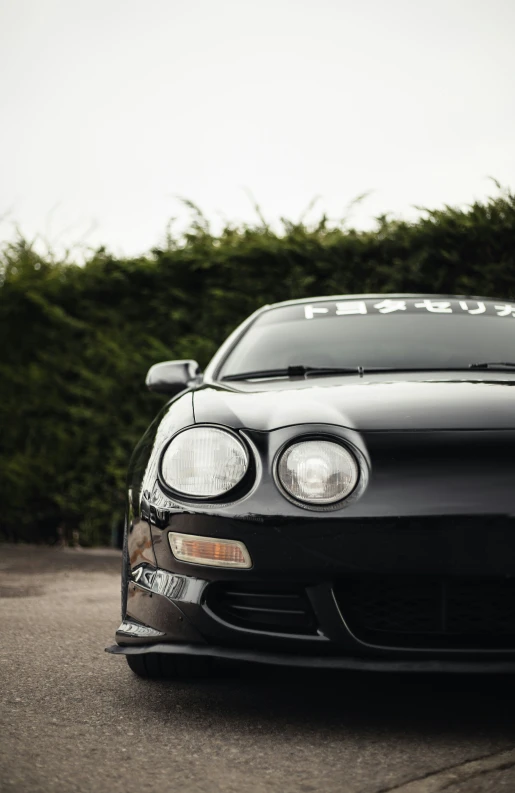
172,377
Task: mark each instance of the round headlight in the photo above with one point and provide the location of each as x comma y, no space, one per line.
204,462
318,472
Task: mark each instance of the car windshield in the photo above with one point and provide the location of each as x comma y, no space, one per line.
374,333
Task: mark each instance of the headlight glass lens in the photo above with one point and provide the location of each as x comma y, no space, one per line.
204,462
318,472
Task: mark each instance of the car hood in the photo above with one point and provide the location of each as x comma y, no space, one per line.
371,403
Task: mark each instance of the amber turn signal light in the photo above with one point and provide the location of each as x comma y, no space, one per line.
209,551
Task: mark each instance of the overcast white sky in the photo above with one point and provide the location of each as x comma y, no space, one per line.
112,108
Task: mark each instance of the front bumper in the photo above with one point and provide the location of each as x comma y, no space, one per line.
445,665
175,607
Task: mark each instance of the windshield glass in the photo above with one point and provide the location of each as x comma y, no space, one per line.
380,332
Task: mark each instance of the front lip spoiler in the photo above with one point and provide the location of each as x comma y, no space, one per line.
322,662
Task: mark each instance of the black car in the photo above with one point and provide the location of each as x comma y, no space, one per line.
336,490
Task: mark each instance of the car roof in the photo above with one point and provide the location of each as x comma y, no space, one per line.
377,296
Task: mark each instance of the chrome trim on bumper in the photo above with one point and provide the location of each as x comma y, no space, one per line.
171,585
136,630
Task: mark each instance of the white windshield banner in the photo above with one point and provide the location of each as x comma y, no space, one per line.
347,308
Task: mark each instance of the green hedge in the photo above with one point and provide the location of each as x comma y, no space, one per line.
76,341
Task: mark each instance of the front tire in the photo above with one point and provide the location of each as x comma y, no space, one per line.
156,666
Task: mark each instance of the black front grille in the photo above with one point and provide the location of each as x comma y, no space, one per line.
260,607
430,612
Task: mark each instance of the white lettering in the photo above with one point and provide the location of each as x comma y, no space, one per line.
351,307
387,306
310,311
435,306
481,308
505,311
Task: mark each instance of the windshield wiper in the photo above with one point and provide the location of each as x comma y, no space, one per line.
402,369
320,371
295,371
493,365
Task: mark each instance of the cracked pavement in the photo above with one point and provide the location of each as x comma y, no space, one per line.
76,719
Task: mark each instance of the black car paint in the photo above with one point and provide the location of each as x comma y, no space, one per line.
435,498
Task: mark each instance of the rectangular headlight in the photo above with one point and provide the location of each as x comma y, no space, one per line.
209,551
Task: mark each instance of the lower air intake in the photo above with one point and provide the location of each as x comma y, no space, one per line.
261,607
456,612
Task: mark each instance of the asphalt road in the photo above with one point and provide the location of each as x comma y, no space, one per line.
75,719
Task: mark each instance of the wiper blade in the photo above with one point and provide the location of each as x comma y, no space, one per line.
306,371
295,371
402,369
493,365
